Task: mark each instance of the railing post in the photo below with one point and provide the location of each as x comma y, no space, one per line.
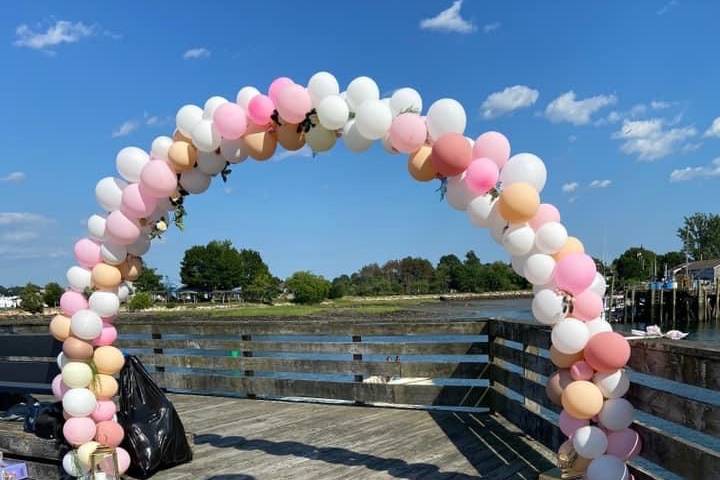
158,351
491,360
248,372
358,378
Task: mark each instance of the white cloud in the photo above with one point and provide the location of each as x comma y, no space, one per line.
660,105
572,138
449,20
508,100
195,53
13,177
566,108
650,139
570,187
126,128
22,218
491,27
667,7
19,236
13,251
691,173
714,129
60,32
600,183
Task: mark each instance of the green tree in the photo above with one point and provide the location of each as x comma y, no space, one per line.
635,264
31,299
448,274
263,288
341,286
148,281
307,287
471,273
52,293
700,235
140,301
670,259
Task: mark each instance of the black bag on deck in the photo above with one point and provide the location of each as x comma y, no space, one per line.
154,435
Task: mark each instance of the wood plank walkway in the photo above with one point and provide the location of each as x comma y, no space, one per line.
239,439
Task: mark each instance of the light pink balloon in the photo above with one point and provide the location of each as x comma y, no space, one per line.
546,213
581,370
121,229
72,302
137,202
293,103
624,444
79,430
575,273
277,86
123,459
408,132
230,120
587,305
260,109
87,253
58,387
492,145
569,424
107,337
481,175
104,411
158,179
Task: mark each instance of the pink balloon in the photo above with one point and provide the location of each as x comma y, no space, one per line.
408,132
492,145
573,273
137,202
107,337
277,86
158,179
79,430
546,213
58,387
123,459
87,253
581,370
568,424
109,433
121,229
72,302
481,175
587,306
230,120
624,444
104,411
293,103
260,109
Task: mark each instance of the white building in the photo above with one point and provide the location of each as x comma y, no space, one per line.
9,302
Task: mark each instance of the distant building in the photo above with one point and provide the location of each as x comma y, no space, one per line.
692,274
9,302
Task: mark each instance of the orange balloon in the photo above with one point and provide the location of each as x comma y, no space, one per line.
103,386
179,137
106,277
131,268
108,360
582,399
289,138
519,202
572,245
261,146
60,327
420,164
451,154
182,156
76,349
563,360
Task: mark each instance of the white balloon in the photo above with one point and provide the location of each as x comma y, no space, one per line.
519,239
333,112
354,141
524,167
590,442
234,151
373,119
108,193
321,85
616,414
124,291
86,324
194,181
497,224
550,237
205,137
210,163
211,105
130,162
445,116
518,264
598,325
360,90
160,147
539,268
112,253
96,226
79,278
61,360
187,117
607,467
569,336
105,304
599,285
479,209
612,384
244,96
458,195
548,307
320,139
79,402
140,246
405,100
73,466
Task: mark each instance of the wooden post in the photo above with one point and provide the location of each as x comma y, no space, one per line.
358,357
661,306
632,312
156,352
248,354
674,307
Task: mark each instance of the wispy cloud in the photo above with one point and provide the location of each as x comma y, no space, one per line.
600,183
691,173
566,108
62,31
196,53
508,100
126,128
570,187
714,129
23,218
148,119
19,236
13,177
652,139
491,27
449,20
667,7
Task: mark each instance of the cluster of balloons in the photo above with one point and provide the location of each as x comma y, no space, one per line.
497,190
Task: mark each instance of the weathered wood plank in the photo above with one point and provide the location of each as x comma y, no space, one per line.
13,441
517,357
525,333
523,386
39,345
28,372
532,424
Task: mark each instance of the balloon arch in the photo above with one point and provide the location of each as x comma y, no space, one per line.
480,177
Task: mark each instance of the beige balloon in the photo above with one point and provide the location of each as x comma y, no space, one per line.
420,166
289,137
108,360
106,277
77,349
572,245
60,327
183,156
103,386
261,146
179,137
131,268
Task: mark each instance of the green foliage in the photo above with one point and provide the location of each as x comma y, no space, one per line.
140,301
31,299
148,281
635,264
340,287
52,293
308,288
670,259
700,235
263,288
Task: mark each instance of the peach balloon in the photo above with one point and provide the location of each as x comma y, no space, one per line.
607,351
179,137
183,156
582,399
572,245
289,137
109,433
546,213
77,349
106,277
556,385
131,268
420,165
60,327
108,360
103,386
519,202
563,360
261,146
451,154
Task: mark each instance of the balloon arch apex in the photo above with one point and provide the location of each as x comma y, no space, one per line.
497,190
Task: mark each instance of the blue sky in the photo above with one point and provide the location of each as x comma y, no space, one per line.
618,98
